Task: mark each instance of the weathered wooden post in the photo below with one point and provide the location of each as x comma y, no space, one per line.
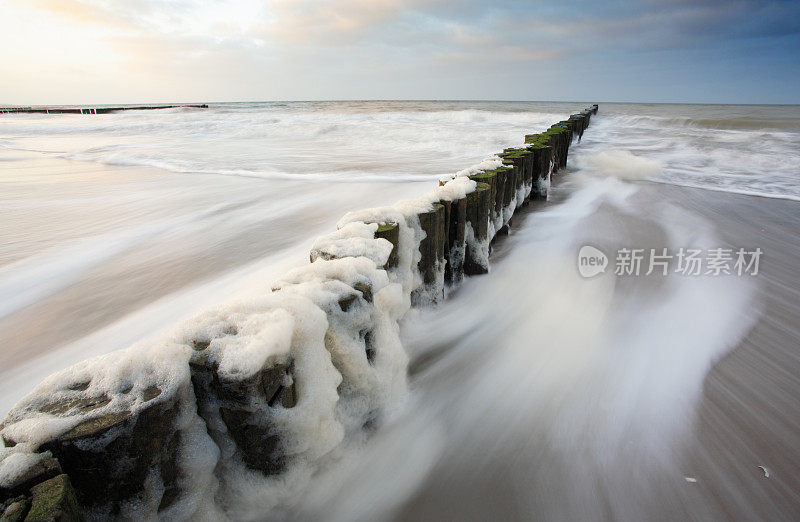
566,132
431,249
144,438
455,230
244,405
528,165
542,164
587,113
496,179
558,138
391,233
479,205
521,159
509,201
578,125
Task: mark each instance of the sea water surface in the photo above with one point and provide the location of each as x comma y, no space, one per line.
534,392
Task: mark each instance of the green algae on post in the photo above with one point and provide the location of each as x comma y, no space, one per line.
391,233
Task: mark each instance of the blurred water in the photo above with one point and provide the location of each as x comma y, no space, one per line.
104,216
540,395
739,149
534,393
334,141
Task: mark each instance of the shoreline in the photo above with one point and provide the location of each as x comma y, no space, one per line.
785,197
743,412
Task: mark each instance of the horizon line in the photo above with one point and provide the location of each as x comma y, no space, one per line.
367,100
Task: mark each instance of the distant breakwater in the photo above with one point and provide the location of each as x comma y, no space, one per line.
226,414
61,109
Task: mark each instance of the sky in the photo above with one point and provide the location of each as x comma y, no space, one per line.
141,51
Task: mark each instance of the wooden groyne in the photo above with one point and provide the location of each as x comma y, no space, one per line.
95,110
254,389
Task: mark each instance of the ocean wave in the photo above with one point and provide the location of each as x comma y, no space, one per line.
755,161
742,149
732,190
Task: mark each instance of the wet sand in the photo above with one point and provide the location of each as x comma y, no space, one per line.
748,413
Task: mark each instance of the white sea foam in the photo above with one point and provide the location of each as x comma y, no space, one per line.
355,239
16,461
618,163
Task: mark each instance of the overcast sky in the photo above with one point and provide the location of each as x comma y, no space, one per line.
106,51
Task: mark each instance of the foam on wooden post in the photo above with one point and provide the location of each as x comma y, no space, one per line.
479,206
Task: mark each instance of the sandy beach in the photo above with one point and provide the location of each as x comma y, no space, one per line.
745,417
533,392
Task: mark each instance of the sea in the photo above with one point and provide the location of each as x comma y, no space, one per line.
534,391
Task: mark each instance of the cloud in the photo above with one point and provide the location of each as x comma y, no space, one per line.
74,9
458,27
344,21
388,44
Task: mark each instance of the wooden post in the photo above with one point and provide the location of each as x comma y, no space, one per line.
508,198
431,249
455,230
479,204
391,233
539,145
496,180
518,159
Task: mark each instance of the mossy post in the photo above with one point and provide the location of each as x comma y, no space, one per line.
566,125
41,492
578,125
585,116
560,136
455,230
54,501
539,145
479,205
518,159
528,179
557,142
496,179
554,142
14,509
245,406
509,194
431,249
391,233
108,470
594,109
519,177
